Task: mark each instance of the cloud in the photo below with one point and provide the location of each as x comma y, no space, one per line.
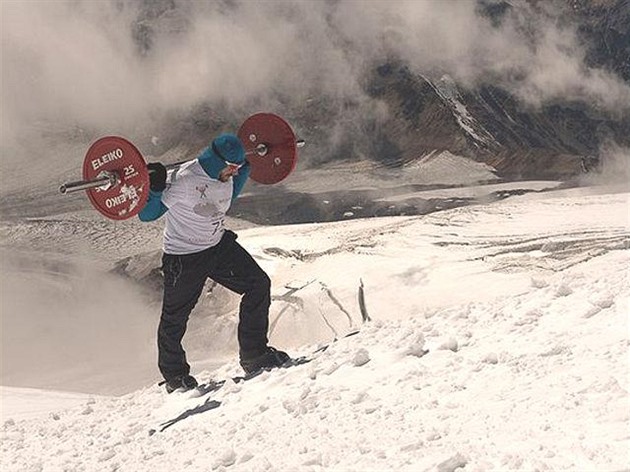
65,324
532,53
123,64
612,167
69,61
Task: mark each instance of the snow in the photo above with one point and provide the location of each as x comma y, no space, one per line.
522,304
436,168
479,192
449,169
30,403
447,89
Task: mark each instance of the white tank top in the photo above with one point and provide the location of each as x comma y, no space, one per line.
197,205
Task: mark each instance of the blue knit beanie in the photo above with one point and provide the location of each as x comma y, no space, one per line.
229,148
225,148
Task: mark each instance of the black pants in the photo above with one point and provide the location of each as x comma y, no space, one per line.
233,267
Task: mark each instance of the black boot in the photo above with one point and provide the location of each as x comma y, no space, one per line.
269,359
182,382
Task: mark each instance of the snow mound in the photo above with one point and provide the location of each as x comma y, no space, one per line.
436,168
520,304
446,168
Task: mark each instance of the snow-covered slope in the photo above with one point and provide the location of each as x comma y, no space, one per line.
523,305
436,168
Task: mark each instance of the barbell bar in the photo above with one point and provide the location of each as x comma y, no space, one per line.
116,177
108,179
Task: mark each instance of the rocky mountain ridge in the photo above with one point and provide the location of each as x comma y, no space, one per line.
431,112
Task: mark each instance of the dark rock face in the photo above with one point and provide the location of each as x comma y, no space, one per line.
520,141
605,25
424,114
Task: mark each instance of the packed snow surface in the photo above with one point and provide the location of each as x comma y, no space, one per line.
522,304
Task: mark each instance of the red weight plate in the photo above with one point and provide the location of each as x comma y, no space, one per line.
117,155
276,135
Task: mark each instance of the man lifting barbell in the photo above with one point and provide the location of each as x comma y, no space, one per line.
195,196
197,246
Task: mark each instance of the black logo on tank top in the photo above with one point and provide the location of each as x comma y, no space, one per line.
202,191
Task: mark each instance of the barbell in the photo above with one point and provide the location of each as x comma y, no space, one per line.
116,178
